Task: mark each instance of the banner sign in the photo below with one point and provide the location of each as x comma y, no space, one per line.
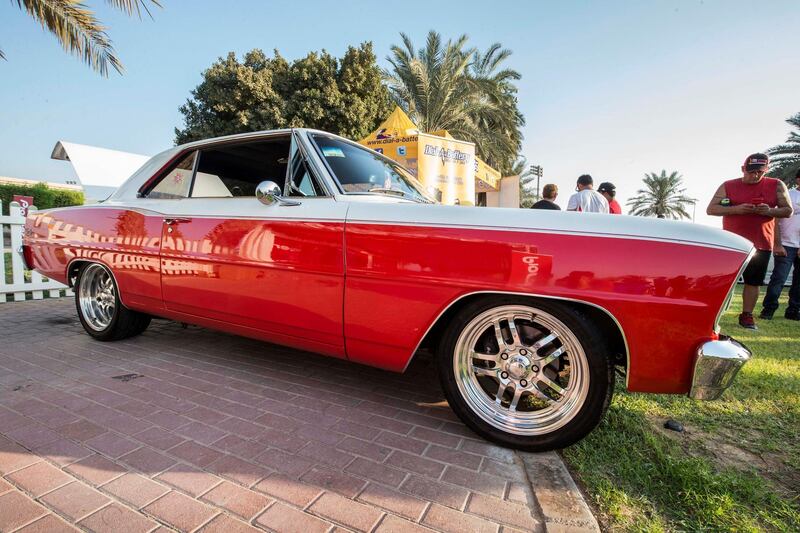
24,202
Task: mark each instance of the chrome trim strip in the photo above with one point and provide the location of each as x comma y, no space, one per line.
716,365
603,309
727,302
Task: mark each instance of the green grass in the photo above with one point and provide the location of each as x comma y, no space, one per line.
735,468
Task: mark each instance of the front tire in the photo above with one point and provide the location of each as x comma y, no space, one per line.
99,308
530,375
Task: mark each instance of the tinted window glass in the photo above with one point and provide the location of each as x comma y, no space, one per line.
360,170
236,169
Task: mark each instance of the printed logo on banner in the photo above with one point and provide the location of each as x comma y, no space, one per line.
24,202
401,150
379,150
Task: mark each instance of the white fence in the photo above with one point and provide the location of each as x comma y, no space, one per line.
16,280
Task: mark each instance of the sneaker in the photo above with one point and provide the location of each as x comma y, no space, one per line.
793,314
746,321
766,315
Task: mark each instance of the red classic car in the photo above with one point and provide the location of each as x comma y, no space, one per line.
305,239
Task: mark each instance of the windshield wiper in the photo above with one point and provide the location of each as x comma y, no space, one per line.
400,193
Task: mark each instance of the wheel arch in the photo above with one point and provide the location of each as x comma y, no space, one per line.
74,266
617,341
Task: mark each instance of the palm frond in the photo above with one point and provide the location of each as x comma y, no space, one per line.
133,7
77,29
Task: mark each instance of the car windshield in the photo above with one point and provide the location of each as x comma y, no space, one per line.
362,171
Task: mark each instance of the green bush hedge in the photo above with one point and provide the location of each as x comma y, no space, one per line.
43,196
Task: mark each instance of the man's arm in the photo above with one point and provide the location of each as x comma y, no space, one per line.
716,209
777,246
784,209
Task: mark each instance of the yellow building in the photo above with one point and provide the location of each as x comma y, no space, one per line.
440,162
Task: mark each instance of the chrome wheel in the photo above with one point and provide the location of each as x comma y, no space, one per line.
521,370
97,296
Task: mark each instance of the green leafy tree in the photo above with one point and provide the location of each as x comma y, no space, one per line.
447,85
344,96
663,197
78,31
786,157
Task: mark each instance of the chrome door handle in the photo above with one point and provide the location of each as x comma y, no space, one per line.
172,221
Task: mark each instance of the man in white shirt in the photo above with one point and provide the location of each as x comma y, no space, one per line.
785,253
587,200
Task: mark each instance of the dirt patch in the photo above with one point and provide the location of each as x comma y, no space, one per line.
720,448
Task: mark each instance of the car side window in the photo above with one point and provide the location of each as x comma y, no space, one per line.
235,170
301,180
177,182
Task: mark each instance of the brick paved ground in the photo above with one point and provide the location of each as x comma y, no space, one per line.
220,433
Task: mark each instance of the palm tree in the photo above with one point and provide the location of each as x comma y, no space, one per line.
786,157
446,85
521,168
79,31
662,197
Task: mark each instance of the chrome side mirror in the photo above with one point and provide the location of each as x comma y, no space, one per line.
268,193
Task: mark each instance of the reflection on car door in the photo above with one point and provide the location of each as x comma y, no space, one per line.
276,269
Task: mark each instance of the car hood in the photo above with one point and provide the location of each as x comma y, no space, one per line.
567,222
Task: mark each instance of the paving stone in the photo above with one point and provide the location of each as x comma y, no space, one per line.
81,430
75,500
344,511
39,478
112,445
48,524
452,521
364,448
62,452
148,461
394,501
285,463
434,491
13,456
502,511
324,453
225,524
135,489
475,481
284,519
394,524
237,500
334,480
33,435
238,470
114,518
158,438
413,463
16,510
188,479
96,469
180,512
195,453
456,457
407,444
435,436
288,489
376,471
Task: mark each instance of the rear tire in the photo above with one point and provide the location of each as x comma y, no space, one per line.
530,375
100,311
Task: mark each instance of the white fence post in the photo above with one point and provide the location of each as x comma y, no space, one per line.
20,284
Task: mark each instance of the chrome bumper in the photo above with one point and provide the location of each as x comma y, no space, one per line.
715,366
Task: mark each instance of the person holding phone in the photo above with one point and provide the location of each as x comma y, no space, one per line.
749,206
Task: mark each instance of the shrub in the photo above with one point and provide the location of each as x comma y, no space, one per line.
44,197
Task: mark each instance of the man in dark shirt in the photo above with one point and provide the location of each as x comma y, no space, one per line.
548,200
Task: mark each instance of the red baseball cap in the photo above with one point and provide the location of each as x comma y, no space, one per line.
756,162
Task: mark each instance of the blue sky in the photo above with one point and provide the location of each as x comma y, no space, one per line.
615,89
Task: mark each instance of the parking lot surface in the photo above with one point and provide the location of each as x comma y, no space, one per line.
191,429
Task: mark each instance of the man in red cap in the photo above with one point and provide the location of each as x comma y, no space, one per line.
749,206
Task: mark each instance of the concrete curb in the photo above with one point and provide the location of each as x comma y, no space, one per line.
562,504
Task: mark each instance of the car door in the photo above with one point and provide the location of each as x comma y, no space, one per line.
272,269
